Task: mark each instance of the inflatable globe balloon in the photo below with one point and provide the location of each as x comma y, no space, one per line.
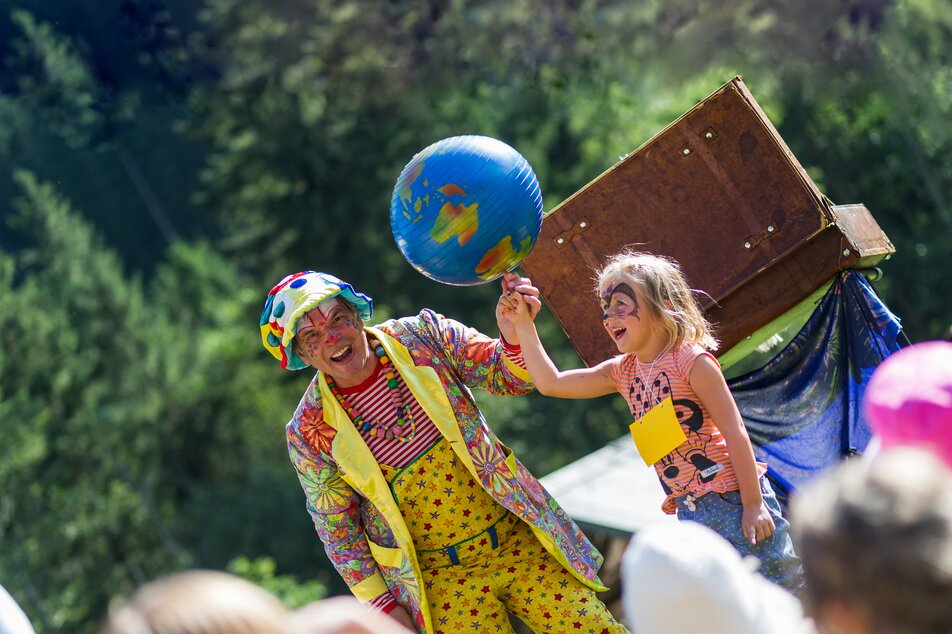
465,210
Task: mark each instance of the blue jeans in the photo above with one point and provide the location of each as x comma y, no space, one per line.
722,512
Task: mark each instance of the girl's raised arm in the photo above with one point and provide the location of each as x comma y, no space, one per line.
548,379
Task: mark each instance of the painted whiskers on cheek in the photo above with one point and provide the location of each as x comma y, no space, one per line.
630,307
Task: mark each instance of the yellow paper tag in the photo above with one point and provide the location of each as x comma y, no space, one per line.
658,432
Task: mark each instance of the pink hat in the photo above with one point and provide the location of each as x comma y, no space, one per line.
909,399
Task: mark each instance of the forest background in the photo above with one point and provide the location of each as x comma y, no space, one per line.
163,163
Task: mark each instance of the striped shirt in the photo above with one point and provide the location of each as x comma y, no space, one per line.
372,399
384,603
701,463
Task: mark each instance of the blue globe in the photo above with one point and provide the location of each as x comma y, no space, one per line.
465,210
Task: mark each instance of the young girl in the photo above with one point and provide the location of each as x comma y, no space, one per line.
668,377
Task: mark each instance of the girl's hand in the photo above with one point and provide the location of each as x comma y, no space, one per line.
516,308
516,291
757,523
515,311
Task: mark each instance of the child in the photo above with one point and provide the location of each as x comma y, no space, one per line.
877,539
669,378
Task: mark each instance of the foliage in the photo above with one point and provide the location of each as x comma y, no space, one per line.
861,93
81,485
261,571
129,429
92,106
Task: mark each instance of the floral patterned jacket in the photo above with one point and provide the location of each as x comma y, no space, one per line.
354,512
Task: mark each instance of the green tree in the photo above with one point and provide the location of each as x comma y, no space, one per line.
96,95
262,571
309,128
84,490
860,92
134,415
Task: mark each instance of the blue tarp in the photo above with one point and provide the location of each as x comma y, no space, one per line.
803,408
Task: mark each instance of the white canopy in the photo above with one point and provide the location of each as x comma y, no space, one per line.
609,490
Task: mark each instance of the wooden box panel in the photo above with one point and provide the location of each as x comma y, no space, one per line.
853,240
719,191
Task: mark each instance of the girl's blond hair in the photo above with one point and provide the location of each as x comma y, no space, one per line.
660,281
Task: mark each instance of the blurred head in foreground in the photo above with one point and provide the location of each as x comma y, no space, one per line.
684,577
198,602
876,542
342,615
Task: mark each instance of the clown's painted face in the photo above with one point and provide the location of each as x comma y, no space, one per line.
330,337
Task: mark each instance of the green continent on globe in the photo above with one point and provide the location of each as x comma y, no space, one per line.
501,257
459,221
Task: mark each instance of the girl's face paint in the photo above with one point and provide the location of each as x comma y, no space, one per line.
620,301
622,317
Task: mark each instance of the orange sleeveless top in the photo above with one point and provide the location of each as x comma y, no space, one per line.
701,463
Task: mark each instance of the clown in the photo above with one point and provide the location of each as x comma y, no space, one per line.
422,511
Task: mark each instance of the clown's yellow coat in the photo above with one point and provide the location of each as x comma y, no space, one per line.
348,497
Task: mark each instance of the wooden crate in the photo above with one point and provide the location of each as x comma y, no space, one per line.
719,191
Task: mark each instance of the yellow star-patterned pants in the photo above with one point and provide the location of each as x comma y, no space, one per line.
519,577
480,562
